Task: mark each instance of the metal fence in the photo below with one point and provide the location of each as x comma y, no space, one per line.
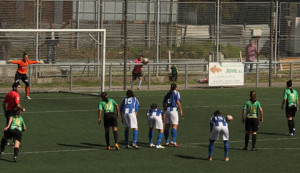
163,30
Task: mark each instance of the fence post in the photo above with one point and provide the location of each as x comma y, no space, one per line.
71,78
186,76
30,77
257,67
110,76
149,77
291,71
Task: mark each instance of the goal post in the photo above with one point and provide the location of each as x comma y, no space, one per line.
32,41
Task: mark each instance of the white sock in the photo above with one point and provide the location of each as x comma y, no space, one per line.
140,82
132,84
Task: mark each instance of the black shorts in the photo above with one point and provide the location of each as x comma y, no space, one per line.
13,133
136,75
252,124
110,119
290,111
22,77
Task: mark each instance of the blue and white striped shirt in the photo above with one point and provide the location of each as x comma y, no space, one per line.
154,112
217,120
172,101
129,105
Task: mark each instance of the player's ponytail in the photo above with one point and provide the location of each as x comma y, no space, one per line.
173,87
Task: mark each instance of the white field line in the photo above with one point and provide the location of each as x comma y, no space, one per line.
187,145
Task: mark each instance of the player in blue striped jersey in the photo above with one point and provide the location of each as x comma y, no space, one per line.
156,119
218,126
171,103
129,108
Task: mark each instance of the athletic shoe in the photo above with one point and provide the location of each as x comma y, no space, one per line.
151,145
167,144
174,144
117,146
135,146
108,147
138,88
226,159
128,146
245,148
7,143
159,147
290,134
27,97
254,149
15,159
209,158
294,131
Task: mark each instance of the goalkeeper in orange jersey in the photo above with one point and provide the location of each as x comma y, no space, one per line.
22,69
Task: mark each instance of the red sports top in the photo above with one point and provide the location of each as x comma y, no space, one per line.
138,68
22,66
12,99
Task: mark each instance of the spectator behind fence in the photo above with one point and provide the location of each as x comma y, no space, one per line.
251,52
52,41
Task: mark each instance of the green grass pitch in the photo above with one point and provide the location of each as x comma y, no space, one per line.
63,135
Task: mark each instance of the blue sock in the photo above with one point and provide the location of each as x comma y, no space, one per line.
126,136
159,138
151,136
226,148
211,148
174,135
135,136
166,132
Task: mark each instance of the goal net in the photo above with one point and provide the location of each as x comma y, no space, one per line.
73,58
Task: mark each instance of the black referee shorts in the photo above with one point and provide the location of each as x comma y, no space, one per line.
13,133
252,124
110,119
290,111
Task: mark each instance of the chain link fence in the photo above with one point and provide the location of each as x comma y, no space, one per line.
164,31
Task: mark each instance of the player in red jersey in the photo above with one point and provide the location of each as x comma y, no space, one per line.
137,72
22,69
12,99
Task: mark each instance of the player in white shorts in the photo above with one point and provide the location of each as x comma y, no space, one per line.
171,103
129,108
218,126
156,119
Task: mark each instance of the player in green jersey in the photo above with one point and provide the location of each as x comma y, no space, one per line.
14,129
110,117
291,100
250,118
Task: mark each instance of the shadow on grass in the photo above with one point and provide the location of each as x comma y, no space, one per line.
221,147
190,157
84,145
272,134
5,160
269,133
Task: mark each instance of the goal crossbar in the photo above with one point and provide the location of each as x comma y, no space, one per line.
103,61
